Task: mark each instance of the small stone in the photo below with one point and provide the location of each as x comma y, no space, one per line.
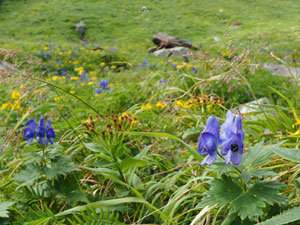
144,9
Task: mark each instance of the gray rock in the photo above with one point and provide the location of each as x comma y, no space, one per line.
172,52
80,28
251,107
144,9
7,66
282,70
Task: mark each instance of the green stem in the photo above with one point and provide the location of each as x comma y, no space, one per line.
234,167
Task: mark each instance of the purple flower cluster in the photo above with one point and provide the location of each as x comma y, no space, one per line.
103,85
43,134
231,140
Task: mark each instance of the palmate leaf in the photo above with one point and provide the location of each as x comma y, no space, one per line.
4,207
29,175
60,166
256,156
247,205
267,190
222,191
288,216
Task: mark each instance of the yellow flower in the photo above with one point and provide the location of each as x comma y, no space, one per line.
146,107
90,83
57,98
4,106
72,92
21,86
45,48
55,78
15,95
295,124
108,73
179,67
74,78
113,67
102,64
160,105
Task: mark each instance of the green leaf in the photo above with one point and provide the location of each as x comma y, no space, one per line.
191,131
256,156
130,162
247,205
288,216
3,208
287,153
28,175
222,191
60,166
160,135
101,204
94,147
267,190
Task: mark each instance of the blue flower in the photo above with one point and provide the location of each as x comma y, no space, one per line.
29,132
83,75
103,84
49,133
232,138
98,91
41,132
208,141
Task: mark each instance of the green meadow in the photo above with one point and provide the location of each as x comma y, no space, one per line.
100,131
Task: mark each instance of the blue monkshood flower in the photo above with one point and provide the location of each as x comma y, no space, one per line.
64,74
98,91
232,139
41,132
49,133
165,70
208,141
103,84
194,70
145,61
29,132
83,75
162,81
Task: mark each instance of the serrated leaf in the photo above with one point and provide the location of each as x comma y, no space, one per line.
4,208
247,205
28,175
288,216
256,173
222,191
256,156
267,190
60,166
287,153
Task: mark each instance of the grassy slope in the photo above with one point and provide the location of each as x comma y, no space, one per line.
118,20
